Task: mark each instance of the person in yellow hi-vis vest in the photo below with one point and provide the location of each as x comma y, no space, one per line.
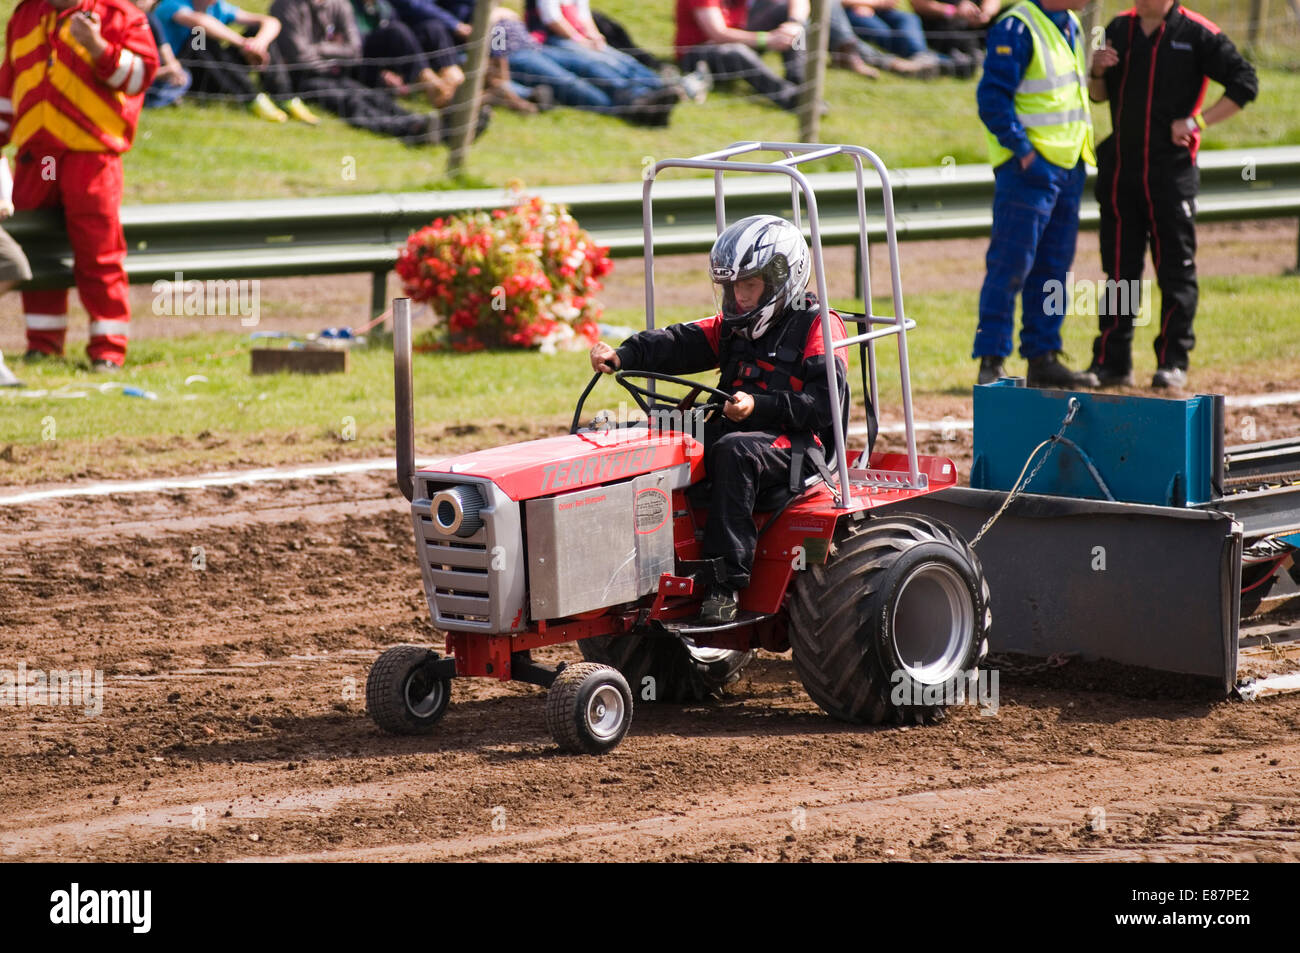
1033,101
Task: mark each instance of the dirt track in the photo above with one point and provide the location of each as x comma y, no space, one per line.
234,727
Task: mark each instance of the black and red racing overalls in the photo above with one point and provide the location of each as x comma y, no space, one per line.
1147,185
785,372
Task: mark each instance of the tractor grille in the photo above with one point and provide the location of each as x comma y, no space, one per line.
460,578
473,583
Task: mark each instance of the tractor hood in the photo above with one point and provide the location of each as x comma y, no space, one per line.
536,468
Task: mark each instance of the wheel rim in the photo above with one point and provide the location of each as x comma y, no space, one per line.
705,655
605,712
933,623
423,693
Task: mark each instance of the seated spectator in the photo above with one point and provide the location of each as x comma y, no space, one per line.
853,53
956,29
885,24
570,38
222,62
320,44
723,35
393,56
442,29
695,84
171,81
538,78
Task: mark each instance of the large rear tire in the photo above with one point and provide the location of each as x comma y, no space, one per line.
901,603
667,669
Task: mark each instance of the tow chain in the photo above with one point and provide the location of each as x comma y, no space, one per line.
1004,663
1021,483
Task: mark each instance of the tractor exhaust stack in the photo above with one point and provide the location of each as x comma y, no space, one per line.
402,400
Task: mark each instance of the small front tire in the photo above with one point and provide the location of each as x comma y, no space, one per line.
405,695
588,708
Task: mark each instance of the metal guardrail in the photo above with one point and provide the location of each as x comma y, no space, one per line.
363,233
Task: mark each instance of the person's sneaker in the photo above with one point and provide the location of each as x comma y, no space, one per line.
956,64
652,108
1108,377
430,131
919,66
34,356
482,122
720,606
990,369
263,108
7,377
698,83
1047,371
101,365
1170,378
543,96
299,111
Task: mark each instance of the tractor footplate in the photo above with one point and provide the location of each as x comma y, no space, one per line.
691,628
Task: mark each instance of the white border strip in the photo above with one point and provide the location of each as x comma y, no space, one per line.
231,478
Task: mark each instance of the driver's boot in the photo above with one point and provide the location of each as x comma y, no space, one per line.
720,606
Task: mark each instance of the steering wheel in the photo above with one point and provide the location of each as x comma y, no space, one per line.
651,402
685,405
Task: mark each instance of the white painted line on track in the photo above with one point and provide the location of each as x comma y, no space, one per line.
1263,400
267,474
203,481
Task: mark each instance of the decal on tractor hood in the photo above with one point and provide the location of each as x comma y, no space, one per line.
596,469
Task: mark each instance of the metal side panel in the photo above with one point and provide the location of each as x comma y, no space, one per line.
1150,586
582,550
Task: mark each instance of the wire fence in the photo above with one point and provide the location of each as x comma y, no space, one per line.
1275,24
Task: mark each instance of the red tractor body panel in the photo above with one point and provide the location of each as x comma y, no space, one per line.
536,468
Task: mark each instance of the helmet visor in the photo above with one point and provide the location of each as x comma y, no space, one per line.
736,298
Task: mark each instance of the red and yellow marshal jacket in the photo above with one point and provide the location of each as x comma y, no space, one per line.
53,96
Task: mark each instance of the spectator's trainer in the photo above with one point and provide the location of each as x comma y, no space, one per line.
71,88
1032,100
1158,60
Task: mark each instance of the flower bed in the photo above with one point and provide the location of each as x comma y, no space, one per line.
521,277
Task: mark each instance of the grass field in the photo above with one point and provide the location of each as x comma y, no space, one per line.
202,152
1246,326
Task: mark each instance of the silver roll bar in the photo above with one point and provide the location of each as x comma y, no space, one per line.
794,154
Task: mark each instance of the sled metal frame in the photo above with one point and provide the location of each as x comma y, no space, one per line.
725,160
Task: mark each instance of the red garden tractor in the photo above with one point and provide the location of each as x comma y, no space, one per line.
591,538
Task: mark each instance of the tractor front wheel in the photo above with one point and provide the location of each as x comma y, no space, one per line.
900,606
588,708
404,693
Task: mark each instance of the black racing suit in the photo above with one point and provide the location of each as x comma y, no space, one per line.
785,372
1146,185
